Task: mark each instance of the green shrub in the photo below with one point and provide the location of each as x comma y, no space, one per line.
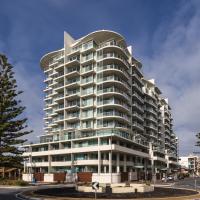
13,182
21,183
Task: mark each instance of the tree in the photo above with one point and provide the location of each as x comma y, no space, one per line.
12,125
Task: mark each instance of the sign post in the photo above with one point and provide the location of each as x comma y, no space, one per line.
95,186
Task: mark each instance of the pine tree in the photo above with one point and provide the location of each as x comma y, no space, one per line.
12,125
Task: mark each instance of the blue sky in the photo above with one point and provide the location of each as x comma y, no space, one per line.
164,35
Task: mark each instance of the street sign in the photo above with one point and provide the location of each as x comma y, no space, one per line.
95,185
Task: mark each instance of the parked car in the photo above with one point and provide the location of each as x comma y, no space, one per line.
168,178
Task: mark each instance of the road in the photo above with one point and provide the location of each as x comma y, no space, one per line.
188,183
10,193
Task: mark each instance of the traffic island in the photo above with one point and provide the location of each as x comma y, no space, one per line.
70,193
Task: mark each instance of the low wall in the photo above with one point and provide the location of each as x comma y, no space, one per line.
27,177
84,176
89,189
48,178
142,187
106,178
39,177
60,177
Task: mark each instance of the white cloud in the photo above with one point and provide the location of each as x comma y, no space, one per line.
176,66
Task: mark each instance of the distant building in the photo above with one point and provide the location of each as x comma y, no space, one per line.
191,162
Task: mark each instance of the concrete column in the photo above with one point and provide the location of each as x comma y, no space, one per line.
125,158
49,166
110,141
99,162
99,156
110,161
104,157
118,161
145,168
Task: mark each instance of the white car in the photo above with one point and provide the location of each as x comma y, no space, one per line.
168,178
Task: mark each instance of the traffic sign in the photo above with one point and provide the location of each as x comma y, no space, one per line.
95,185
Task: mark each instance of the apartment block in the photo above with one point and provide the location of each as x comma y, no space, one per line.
101,115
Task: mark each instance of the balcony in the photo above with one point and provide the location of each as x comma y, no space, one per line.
114,79
59,97
72,106
138,88
113,103
113,44
89,46
138,97
115,68
116,56
73,60
72,117
138,126
87,59
113,91
72,94
138,116
72,82
114,114
87,81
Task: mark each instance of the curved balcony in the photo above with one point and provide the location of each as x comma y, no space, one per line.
114,56
113,80
114,103
109,92
114,114
113,45
113,125
110,69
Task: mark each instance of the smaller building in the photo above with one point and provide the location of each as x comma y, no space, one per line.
10,173
192,163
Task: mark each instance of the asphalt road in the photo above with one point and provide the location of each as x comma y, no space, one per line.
10,193
188,183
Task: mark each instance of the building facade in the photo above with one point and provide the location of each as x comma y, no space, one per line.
192,163
102,115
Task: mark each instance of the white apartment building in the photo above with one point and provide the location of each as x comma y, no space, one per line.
102,115
191,162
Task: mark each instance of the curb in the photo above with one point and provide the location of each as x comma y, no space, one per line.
23,197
